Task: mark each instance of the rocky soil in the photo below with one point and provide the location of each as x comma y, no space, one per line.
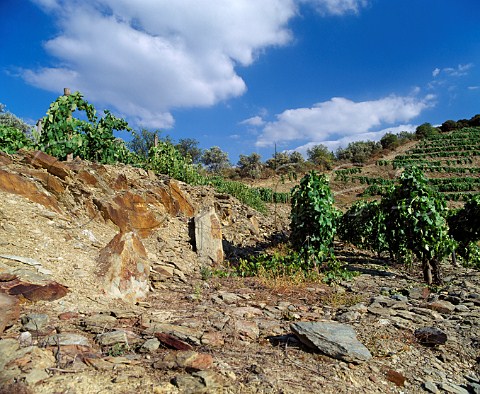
64,328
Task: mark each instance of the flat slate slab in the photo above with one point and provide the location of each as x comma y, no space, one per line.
333,339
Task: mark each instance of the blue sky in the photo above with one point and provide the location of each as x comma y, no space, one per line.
245,75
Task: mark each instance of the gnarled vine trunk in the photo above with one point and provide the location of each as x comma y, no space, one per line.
431,271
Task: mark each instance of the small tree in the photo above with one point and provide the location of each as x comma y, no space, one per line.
389,141
296,158
358,151
313,219
144,140
250,166
188,148
8,119
215,159
278,160
321,156
425,130
415,222
448,125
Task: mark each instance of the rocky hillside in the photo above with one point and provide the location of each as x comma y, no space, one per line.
109,283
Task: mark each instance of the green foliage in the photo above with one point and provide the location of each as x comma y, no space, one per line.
358,151
7,119
215,159
448,125
268,195
91,139
291,265
188,148
425,130
13,139
313,219
415,222
284,162
321,156
389,141
143,141
363,225
250,166
465,229
296,158
242,192
166,159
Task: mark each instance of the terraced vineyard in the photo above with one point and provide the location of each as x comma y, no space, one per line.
451,161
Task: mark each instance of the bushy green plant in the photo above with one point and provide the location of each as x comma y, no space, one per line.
363,225
465,229
415,221
166,159
91,139
13,139
7,119
313,218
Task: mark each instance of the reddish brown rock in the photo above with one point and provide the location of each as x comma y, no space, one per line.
69,315
395,377
40,159
173,199
5,159
16,184
172,342
121,182
51,183
124,268
87,178
213,339
49,292
9,311
187,359
129,212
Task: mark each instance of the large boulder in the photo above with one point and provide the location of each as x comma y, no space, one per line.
208,237
124,268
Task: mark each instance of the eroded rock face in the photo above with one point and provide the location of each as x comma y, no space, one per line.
173,199
40,159
130,212
208,236
17,184
124,268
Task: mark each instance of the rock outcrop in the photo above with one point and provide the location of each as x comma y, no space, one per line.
208,237
123,268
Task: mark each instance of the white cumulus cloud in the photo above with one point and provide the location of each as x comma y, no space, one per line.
333,145
148,57
341,118
253,121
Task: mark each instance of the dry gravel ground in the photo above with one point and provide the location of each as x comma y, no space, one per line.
240,327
